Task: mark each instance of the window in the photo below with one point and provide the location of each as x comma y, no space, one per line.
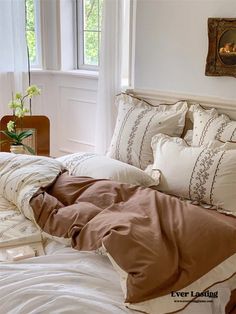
89,33
33,32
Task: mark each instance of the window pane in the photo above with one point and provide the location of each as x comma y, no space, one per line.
100,4
91,48
30,30
91,15
31,45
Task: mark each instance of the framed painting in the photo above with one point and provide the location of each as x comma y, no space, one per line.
221,58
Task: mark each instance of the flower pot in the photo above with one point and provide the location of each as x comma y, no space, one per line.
40,141
17,149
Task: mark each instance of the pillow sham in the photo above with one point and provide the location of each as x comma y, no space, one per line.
209,125
137,122
206,174
102,167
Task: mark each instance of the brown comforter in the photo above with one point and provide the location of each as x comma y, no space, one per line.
163,243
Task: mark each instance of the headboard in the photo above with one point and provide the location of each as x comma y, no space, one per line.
226,106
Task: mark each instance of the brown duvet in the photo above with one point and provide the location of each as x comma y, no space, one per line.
163,243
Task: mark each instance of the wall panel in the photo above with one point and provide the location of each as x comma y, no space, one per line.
70,103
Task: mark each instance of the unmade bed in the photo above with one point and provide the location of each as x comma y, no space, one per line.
68,281
65,280
134,231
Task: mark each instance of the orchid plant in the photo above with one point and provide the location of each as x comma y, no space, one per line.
14,132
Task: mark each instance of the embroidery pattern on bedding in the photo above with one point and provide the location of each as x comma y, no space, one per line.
144,135
117,152
137,122
204,131
214,179
221,130
200,174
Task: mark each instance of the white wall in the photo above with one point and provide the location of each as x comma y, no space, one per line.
172,45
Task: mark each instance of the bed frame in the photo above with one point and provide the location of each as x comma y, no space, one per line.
223,105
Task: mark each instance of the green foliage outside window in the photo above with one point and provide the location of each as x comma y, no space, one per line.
92,30
92,11
30,30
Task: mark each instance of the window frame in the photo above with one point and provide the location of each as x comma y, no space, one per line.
80,39
38,37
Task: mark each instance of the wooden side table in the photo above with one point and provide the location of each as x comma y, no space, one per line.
39,141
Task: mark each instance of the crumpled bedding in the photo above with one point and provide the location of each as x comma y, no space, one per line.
155,238
13,224
24,181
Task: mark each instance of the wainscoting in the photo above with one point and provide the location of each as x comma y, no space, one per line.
69,100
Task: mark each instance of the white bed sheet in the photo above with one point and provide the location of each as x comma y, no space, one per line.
67,281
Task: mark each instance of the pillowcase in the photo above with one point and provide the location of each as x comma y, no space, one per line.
209,125
102,167
206,174
137,122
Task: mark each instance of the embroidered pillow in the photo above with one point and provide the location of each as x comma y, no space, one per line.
209,125
137,123
102,167
206,174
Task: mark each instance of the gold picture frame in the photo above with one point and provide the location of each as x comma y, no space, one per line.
221,58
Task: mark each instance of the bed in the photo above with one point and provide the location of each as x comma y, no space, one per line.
66,280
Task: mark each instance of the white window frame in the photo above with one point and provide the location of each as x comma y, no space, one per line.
38,42
80,39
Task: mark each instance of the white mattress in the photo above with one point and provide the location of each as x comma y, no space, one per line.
68,281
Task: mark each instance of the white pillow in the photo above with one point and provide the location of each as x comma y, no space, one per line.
209,125
205,174
102,167
137,122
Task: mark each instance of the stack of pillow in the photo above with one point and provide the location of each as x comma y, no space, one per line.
206,171
147,149
149,137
